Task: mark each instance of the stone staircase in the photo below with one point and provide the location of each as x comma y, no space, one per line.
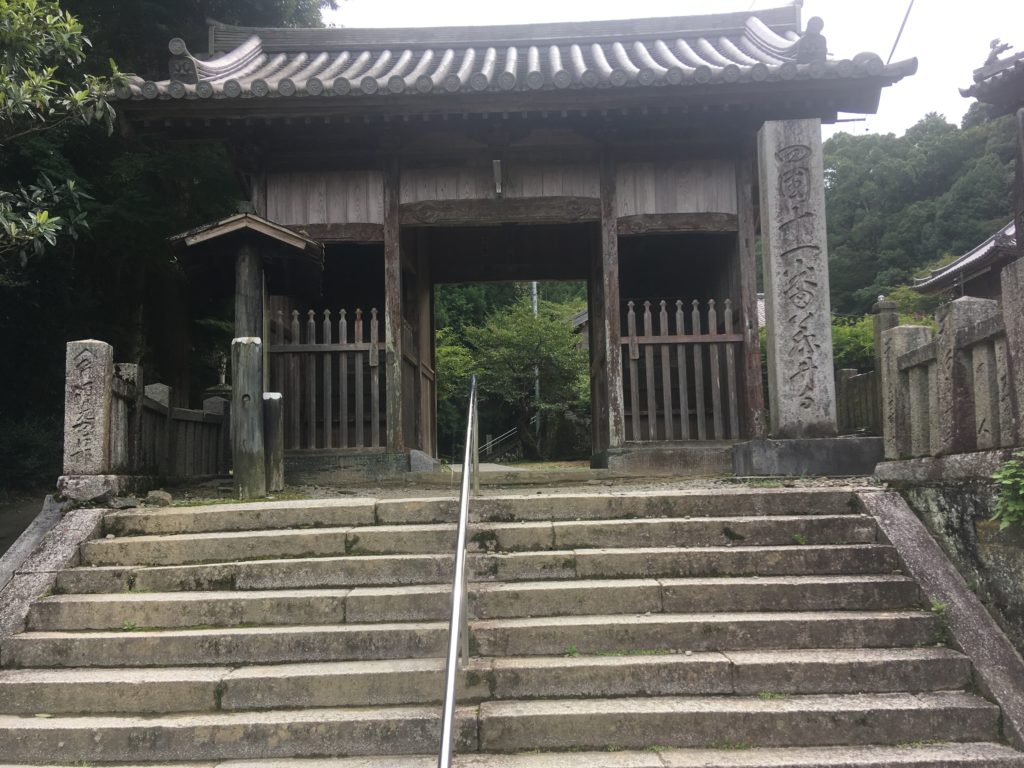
722,628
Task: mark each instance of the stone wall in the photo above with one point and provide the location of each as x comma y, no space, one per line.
991,561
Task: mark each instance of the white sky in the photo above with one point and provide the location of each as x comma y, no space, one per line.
950,38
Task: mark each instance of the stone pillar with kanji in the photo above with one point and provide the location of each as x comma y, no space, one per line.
801,380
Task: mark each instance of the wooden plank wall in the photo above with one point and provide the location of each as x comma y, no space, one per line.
447,183
326,197
555,180
701,185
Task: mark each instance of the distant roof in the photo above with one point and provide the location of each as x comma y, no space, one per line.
999,246
999,81
713,50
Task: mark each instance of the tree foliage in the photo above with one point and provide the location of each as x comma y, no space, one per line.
899,204
509,351
42,89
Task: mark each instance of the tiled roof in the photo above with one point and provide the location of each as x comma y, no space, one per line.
978,257
1000,81
762,46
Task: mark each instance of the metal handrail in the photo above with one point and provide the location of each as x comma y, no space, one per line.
458,628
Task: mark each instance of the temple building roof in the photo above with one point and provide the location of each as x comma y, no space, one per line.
1000,81
996,250
713,51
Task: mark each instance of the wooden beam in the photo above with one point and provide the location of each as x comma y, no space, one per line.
342,233
752,407
523,210
659,223
393,309
610,286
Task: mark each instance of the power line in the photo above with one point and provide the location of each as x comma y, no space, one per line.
900,33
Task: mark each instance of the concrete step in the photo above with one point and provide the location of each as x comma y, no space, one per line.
139,610
736,722
313,513
612,596
420,681
439,538
914,755
666,632
612,504
294,573
391,570
432,602
778,530
229,735
249,645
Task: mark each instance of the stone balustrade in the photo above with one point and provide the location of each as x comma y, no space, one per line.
959,388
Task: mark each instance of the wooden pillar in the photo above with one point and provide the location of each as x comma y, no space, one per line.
248,291
752,408
393,310
247,418
610,286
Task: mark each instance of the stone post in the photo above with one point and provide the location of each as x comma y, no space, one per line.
247,448
921,418
886,316
801,383
896,410
1013,318
273,435
954,397
88,389
986,396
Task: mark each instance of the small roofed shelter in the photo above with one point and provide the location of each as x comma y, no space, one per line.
1000,84
641,156
975,273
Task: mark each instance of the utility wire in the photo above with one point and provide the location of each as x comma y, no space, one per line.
900,33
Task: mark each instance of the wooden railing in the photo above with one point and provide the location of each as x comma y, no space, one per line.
680,382
181,442
331,378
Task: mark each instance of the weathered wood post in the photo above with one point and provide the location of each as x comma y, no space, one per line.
612,332
273,436
247,417
394,403
801,382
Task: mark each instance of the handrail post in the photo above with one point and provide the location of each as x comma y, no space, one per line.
476,448
458,626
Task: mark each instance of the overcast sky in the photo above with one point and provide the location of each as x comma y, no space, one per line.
950,39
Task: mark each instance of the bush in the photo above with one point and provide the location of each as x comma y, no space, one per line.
1010,481
853,342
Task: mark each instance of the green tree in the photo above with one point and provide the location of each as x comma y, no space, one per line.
897,204
511,345
42,89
